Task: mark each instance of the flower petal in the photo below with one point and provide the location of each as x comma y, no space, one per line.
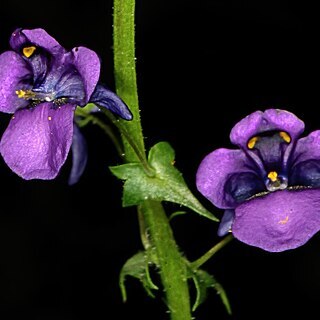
105,98
308,148
38,37
306,161
37,141
279,221
269,120
226,178
79,155
226,222
39,63
13,70
87,63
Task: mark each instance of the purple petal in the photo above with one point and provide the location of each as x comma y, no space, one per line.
79,155
87,63
308,148
216,169
270,119
305,167
279,221
225,225
37,141
105,98
13,69
40,63
38,37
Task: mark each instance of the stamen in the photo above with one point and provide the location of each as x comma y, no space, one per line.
276,182
36,97
251,143
285,136
28,51
20,93
60,101
25,94
273,176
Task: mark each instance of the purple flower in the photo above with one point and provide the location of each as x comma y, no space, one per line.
270,186
42,83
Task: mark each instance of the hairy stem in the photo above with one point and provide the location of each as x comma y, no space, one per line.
125,69
131,143
171,264
173,269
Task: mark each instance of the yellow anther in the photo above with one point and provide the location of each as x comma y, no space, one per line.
21,93
285,136
49,118
25,94
273,176
252,142
28,51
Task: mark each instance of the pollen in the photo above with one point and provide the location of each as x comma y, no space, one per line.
285,136
252,142
28,51
20,93
25,94
49,118
273,176
284,221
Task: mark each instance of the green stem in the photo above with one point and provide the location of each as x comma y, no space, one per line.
172,267
199,262
131,143
125,70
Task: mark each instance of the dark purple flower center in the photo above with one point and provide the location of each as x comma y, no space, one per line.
270,168
55,79
268,151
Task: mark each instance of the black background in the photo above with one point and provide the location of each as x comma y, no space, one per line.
202,66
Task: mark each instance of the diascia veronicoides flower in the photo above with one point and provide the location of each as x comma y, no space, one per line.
269,187
41,84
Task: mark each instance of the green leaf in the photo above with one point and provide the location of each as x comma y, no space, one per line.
138,267
167,183
203,281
